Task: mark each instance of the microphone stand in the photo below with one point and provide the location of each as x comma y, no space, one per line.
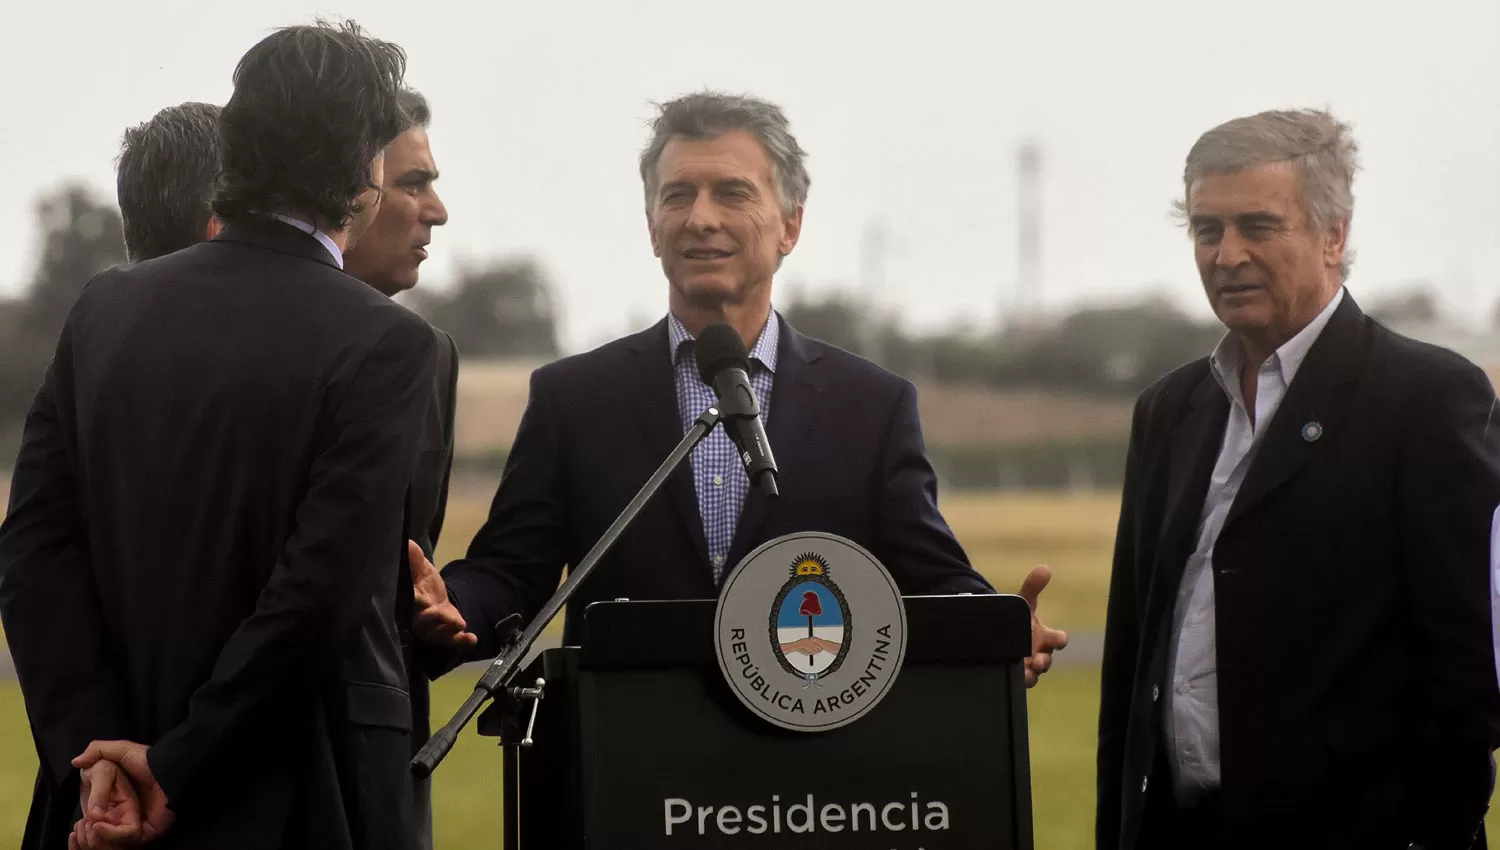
508,662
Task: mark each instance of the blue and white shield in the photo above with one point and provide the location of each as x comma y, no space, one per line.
810,628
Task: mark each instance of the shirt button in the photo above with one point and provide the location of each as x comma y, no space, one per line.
718,481
718,560
1155,693
1184,688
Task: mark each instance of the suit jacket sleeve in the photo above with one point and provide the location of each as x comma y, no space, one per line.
915,541
348,530
71,689
516,559
1449,490
1121,643
450,410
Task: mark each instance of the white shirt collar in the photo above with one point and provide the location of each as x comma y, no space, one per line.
327,242
1228,356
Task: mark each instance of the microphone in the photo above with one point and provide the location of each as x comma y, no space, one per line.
724,365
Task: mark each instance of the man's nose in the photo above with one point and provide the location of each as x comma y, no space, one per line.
435,212
1232,251
704,214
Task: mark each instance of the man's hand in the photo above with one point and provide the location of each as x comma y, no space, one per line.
437,620
1044,640
150,819
106,799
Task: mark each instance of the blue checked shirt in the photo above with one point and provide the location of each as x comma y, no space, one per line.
718,475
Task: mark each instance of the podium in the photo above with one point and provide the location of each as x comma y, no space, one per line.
637,742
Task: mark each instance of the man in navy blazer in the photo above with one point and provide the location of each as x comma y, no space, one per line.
725,186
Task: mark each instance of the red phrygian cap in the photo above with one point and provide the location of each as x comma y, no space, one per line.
811,607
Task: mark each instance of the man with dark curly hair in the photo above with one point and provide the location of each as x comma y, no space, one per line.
202,572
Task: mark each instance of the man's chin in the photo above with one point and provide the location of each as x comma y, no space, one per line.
706,292
1245,319
391,285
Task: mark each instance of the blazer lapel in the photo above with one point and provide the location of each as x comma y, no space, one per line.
794,397
1318,399
1195,445
661,427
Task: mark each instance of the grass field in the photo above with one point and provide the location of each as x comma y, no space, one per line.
1004,535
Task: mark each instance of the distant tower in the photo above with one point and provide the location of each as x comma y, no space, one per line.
1029,232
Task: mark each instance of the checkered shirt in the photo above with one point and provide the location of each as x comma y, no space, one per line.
718,475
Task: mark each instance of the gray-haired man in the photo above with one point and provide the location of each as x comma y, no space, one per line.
724,185
1298,649
164,180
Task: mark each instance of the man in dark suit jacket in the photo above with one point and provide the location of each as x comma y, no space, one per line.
388,258
167,170
725,185
1299,647
211,490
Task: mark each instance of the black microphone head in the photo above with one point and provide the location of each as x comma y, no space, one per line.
719,347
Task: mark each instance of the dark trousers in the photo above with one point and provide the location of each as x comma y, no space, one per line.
1168,825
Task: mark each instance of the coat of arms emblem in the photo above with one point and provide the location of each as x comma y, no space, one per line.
814,645
809,620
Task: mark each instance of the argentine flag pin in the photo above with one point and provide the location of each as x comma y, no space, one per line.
1312,431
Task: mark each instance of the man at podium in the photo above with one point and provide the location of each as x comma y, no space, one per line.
725,185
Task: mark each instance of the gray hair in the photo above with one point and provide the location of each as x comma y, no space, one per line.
418,112
1320,147
164,179
709,115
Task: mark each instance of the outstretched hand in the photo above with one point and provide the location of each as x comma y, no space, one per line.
1044,639
437,620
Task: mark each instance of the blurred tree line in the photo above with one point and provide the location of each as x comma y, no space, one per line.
505,309
1112,351
79,237
1107,351
508,308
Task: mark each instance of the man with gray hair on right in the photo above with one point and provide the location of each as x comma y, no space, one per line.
1299,648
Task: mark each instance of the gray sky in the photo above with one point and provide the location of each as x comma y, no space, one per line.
911,112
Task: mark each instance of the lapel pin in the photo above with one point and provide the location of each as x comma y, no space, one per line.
1312,431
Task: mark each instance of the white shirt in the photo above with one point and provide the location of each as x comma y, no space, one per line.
333,250
1192,713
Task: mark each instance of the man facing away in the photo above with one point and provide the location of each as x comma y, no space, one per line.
165,178
1298,650
211,491
179,148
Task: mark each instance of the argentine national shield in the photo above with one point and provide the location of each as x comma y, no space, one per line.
810,631
810,620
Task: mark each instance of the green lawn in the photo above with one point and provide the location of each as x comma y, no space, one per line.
1063,711
467,785
17,765
1004,534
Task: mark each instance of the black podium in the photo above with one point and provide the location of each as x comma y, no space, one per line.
638,742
